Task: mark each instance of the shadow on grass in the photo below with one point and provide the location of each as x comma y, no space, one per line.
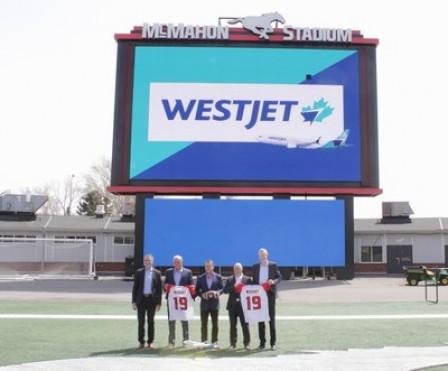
195,353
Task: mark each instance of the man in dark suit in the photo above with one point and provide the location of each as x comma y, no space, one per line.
146,299
267,273
208,287
233,287
177,276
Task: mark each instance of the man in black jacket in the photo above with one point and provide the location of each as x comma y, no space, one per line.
233,287
267,272
208,287
146,299
177,276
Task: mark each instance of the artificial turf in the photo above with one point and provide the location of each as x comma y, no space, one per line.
78,306
28,340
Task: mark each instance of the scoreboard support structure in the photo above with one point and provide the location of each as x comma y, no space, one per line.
348,271
327,77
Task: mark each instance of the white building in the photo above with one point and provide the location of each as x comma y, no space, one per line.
113,239
378,247
383,247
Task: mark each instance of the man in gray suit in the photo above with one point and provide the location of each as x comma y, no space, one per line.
266,273
177,276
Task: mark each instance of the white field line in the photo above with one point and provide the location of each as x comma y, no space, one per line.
280,318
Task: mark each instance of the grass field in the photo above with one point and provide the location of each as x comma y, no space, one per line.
28,340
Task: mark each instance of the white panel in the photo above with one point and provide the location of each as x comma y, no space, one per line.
20,252
427,249
372,240
215,113
399,239
122,252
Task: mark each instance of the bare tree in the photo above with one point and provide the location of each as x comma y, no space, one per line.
70,191
61,195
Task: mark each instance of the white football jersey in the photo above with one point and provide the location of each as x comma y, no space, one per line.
254,301
180,304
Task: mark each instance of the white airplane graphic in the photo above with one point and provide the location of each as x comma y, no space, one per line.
290,142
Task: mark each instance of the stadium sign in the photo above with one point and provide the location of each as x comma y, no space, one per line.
258,25
240,116
181,31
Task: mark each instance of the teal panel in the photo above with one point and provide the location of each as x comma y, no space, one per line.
211,65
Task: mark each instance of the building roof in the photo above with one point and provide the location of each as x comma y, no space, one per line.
418,225
72,223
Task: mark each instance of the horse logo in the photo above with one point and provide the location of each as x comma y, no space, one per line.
259,25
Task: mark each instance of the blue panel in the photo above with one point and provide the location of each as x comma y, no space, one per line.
297,233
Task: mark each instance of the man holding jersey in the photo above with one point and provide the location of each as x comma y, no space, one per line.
267,274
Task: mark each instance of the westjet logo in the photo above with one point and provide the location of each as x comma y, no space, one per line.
229,110
211,112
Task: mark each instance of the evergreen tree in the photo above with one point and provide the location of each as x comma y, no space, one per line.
89,202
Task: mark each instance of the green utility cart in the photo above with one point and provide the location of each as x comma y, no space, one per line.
415,274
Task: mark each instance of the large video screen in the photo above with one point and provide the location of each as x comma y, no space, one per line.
245,114
296,232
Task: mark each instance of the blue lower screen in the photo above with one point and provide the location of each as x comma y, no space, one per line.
296,232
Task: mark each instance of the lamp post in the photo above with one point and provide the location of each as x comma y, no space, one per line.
69,207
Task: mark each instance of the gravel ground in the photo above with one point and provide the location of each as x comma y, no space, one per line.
360,289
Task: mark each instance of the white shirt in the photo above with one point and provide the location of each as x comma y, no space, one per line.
209,279
239,278
147,286
254,302
177,276
180,304
264,272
